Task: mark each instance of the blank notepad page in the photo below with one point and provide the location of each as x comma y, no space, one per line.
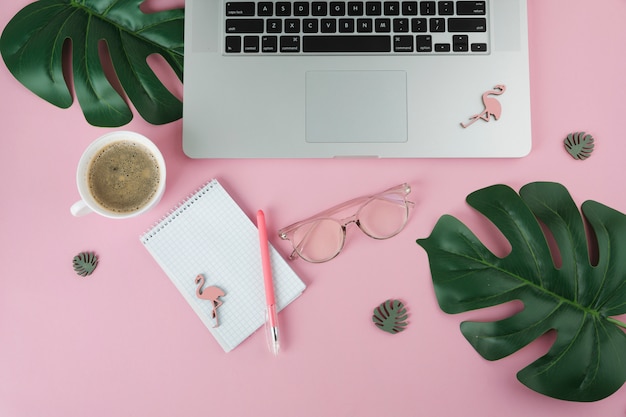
209,234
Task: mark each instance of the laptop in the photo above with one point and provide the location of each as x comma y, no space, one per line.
383,79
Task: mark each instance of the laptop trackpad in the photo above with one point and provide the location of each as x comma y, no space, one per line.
356,106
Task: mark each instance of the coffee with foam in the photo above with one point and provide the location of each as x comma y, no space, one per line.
123,176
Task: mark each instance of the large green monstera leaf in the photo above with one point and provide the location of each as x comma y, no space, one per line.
32,47
578,298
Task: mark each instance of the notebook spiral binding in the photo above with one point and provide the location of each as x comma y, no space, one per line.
167,219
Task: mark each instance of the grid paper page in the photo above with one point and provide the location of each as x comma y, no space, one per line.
209,234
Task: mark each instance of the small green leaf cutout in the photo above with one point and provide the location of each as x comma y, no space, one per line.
579,145
391,316
85,263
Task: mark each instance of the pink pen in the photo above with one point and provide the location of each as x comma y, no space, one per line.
272,314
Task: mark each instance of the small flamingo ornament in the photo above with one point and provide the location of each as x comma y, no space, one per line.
492,106
210,293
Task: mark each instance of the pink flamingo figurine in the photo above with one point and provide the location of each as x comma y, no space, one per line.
210,293
492,106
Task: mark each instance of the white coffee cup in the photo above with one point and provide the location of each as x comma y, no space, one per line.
89,203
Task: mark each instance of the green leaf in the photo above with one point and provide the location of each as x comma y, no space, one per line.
32,48
587,361
85,263
391,316
579,145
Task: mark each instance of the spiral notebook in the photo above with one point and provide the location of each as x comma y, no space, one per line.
209,234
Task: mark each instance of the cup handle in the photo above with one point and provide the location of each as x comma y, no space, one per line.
79,208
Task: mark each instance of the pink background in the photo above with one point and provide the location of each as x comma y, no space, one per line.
123,342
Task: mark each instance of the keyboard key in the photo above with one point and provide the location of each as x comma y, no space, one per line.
419,25
437,24
350,43
364,25
427,8
319,8
403,43
274,26
373,8
442,47
329,26
467,24
346,25
290,44
244,25
460,43
446,8
301,8
355,8
240,8
269,44
424,43
310,25
265,8
479,47
292,26
465,8
337,8
391,8
382,25
401,25
283,8
251,44
409,8
233,44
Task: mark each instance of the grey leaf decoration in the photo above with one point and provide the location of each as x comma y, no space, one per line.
85,263
391,316
579,145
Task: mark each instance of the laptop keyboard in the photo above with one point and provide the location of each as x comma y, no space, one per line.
356,27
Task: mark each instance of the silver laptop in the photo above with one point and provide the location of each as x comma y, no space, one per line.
321,79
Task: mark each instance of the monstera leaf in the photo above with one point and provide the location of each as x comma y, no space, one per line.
32,47
391,316
577,298
85,263
579,145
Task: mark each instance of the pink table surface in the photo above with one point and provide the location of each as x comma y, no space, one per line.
123,342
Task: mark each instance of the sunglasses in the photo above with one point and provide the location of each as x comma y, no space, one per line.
320,238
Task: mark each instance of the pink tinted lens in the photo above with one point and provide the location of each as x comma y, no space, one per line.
319,240
382,218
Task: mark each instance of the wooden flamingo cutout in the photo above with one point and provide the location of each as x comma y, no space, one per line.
212,294
492,106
